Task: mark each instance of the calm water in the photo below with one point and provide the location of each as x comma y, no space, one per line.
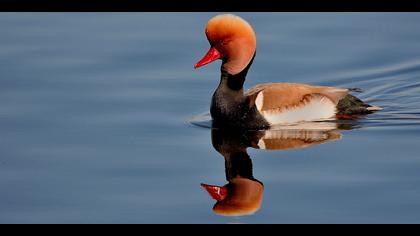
96,110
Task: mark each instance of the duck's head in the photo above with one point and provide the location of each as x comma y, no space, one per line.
232,40
241,196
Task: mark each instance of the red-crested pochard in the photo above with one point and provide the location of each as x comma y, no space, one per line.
233,41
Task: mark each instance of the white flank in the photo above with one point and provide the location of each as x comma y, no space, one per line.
285,139
317,109
309,125
259,101
313,135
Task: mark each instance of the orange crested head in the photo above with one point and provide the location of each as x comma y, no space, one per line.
231,39
241,196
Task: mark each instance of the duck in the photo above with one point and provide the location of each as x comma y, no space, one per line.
233,41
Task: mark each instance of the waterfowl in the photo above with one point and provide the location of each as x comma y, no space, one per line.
233,40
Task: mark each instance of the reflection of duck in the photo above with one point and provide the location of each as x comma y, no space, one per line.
233,41
243,194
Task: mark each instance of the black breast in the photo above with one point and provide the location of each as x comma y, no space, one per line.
230,113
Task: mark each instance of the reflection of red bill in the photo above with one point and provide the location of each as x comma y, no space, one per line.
216,192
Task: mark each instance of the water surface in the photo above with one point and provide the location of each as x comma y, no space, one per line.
96,111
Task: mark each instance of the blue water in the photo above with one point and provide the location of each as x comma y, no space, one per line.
98,119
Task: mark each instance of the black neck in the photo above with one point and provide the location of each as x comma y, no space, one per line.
230,107
238,165
232,145
235,82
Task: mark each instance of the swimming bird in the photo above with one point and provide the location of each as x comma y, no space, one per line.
233,40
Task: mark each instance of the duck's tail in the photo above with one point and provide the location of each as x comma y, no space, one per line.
351,106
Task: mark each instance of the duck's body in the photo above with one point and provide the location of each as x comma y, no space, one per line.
233,40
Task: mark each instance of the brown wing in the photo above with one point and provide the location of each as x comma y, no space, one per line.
283,95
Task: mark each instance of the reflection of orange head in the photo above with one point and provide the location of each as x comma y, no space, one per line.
234,39
244,197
